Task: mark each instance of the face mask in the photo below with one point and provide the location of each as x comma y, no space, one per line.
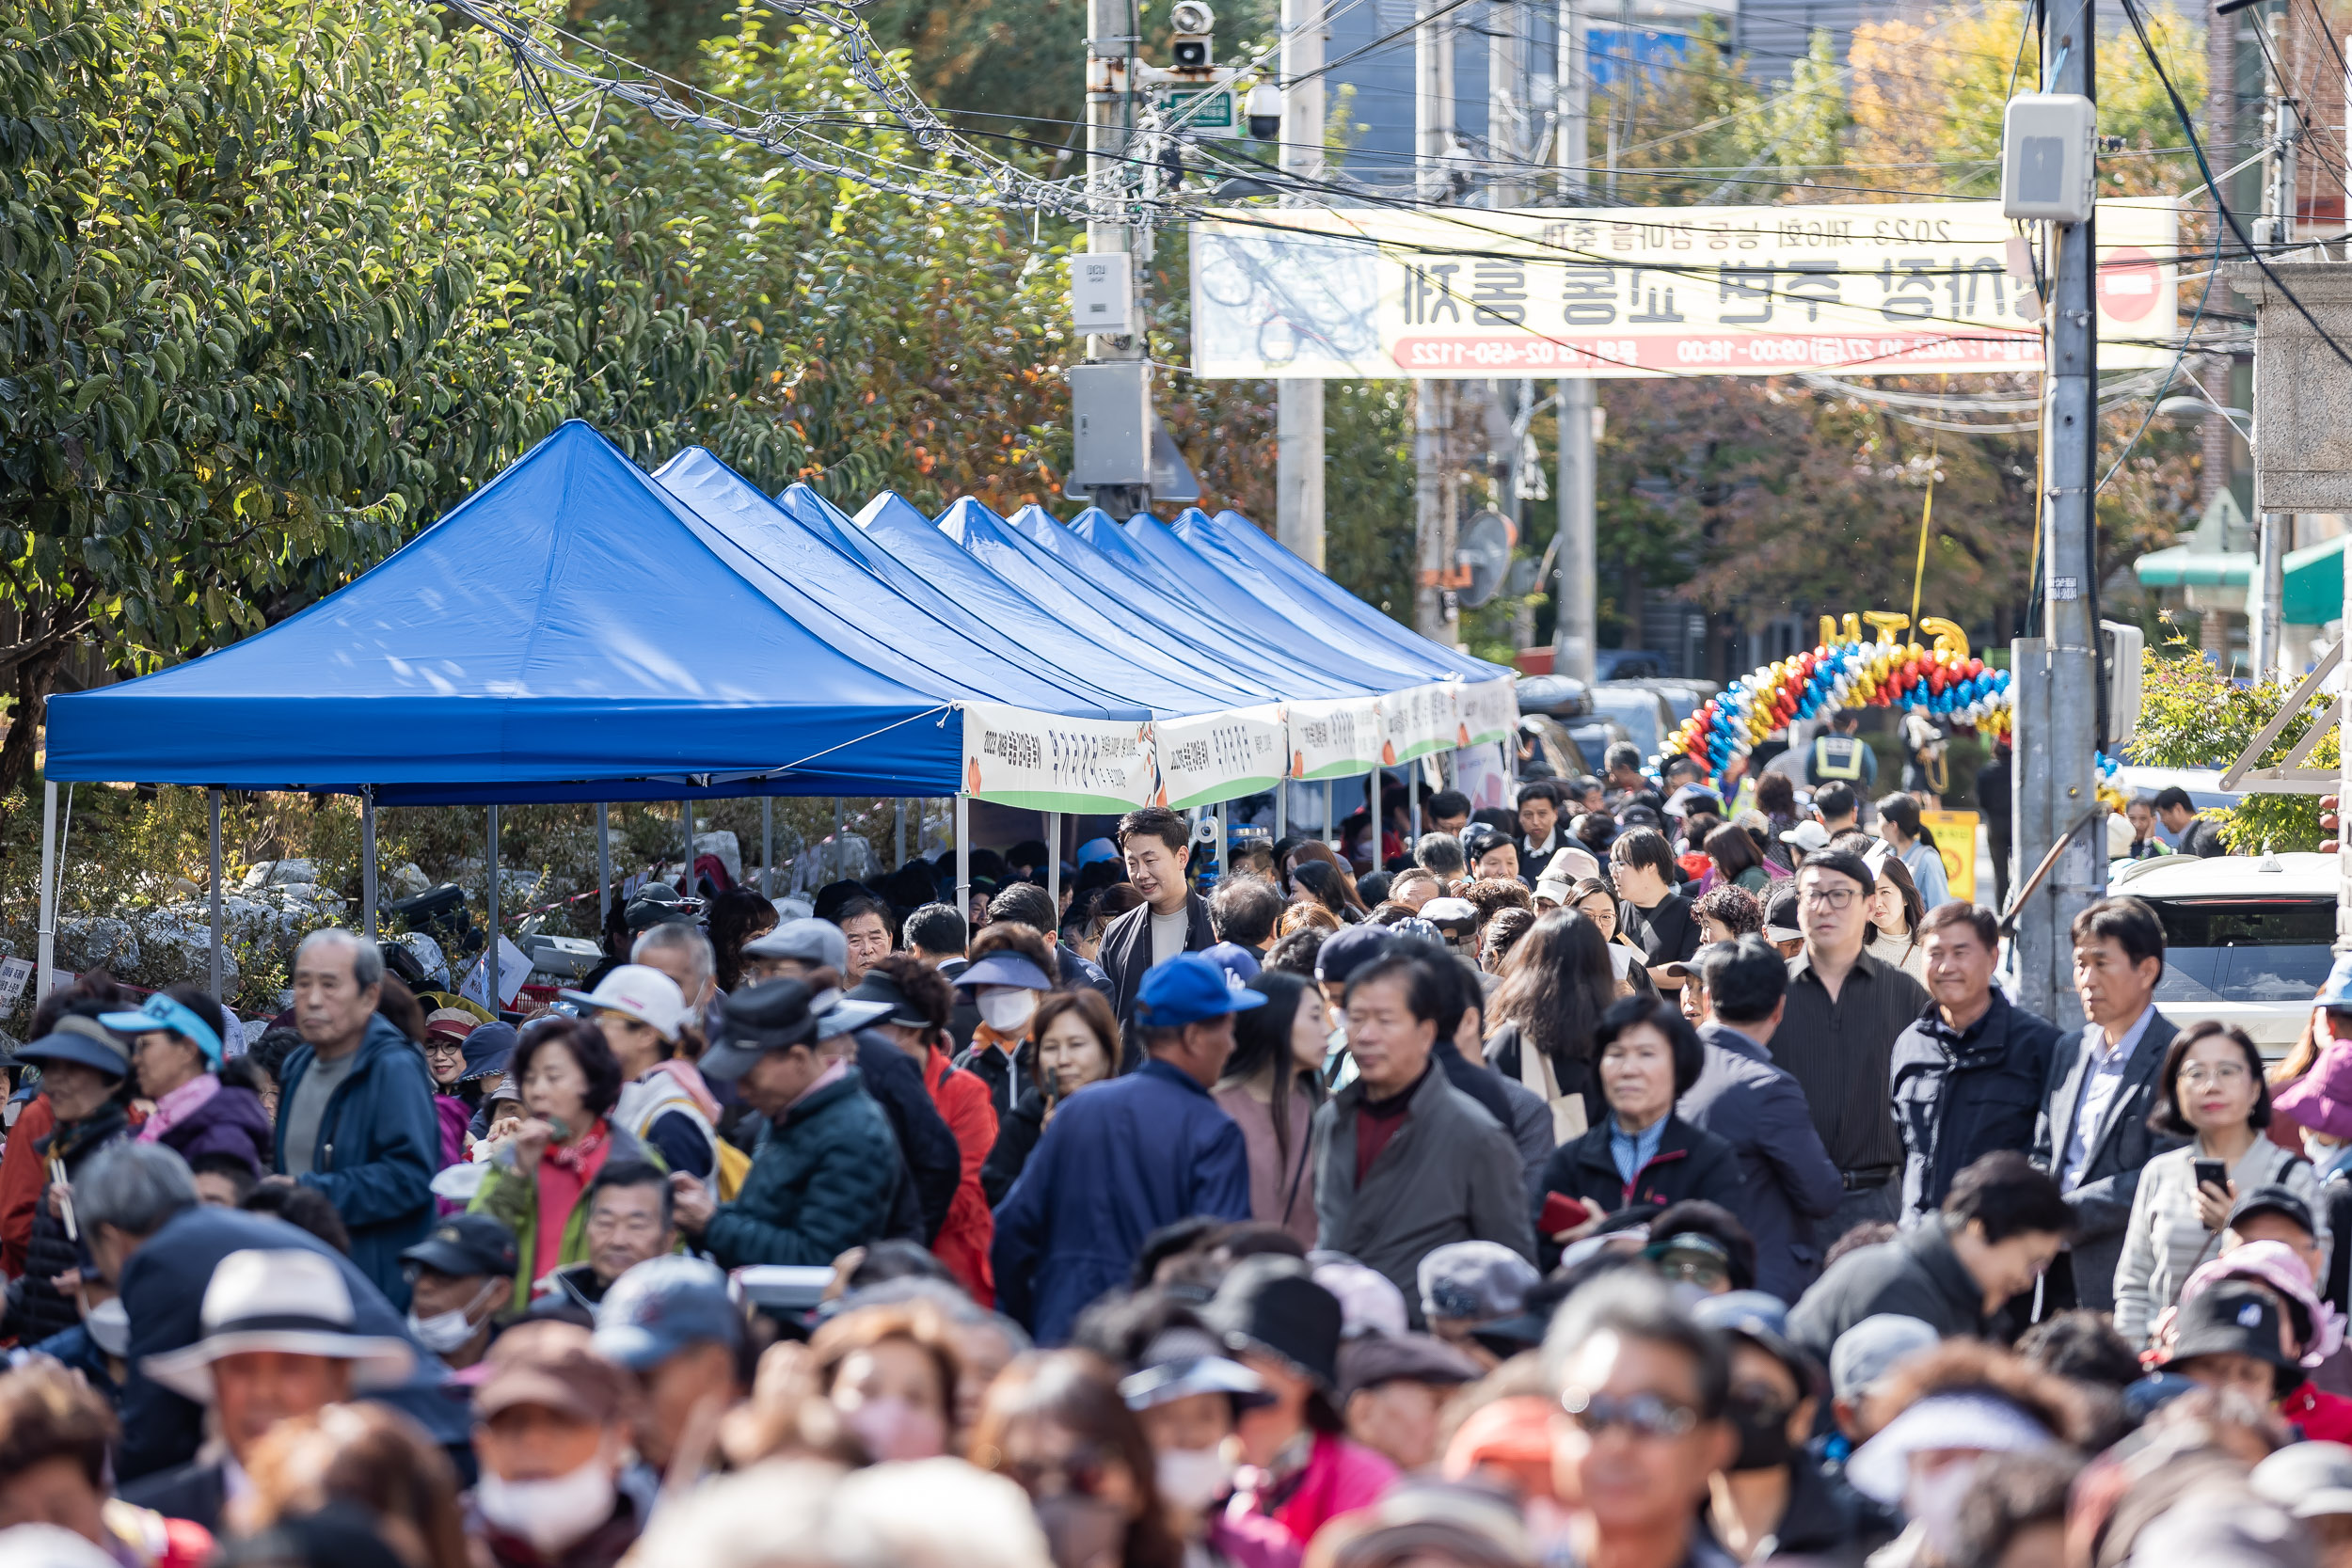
1192,1479
109,1326
1007,1011
896,1429
444,1332
1081,1532
1933,1501
1763,1434
550,1514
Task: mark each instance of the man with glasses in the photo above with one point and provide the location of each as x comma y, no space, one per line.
1640,1391
1844,1011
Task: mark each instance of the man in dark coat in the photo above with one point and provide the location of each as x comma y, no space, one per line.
822,1182
2092,1134
1173,918
137,1205
1786,1180
355,1108
1030,905
1968,1076
1127,1156
2000,1227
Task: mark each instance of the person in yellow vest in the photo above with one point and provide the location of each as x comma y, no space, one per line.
1840,755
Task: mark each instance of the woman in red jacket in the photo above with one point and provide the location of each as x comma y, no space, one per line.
921,1001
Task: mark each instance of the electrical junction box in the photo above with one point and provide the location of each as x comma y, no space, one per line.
1110,406
2046,144
1102,300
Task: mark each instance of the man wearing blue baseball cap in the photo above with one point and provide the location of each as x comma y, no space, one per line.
1128,1155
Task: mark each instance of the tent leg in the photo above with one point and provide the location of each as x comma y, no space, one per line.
1372,816
898,834
490,901
1053,862
218,961
686,818
963,862
1330,828
1224,836
1412,796
1282,808
767,846
604,866
367,860
48,949
839,870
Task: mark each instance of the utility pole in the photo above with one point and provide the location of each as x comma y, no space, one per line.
1575,565
1298,400
2058,673
1110,77
1506,99
1435,614
2265,632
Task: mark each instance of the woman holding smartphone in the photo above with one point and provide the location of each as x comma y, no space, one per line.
2211,1093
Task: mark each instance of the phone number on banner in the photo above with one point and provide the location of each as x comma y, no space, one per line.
1760,351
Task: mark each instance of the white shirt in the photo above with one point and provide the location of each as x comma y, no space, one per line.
2102,1080
1169,931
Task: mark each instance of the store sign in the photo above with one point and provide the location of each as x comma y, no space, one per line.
1888,289
1042,762
1222,756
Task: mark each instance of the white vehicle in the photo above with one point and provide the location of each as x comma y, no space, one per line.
2246,937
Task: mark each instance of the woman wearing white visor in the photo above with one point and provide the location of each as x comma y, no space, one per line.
663,1100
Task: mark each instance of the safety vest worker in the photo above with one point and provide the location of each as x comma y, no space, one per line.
1842,756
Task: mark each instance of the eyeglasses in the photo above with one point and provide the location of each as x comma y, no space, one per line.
1647,1416
1827,897
2215,1073
443,1048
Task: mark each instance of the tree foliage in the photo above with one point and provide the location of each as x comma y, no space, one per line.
2192,715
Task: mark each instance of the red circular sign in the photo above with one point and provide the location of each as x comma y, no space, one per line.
2129,283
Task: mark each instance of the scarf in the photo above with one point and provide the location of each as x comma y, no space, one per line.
689,1078
179,1106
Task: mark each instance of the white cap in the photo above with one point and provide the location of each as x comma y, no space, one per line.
290,1300
638,991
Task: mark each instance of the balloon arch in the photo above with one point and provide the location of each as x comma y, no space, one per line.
1941,679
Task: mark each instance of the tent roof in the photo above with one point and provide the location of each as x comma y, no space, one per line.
2314,575
1144,588
919,545
812,570
1240,539
566,633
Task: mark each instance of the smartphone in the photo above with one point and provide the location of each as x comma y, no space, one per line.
2213,1173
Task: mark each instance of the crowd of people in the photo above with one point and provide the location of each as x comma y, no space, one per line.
1630,1179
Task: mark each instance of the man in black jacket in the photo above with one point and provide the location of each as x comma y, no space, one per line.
1173,918
1786,1180
1030,905
1967,1077
2000,1227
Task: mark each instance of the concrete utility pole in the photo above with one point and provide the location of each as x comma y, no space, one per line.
1575,565
2274,531
1433,612
2058,673
1298,400
1110,75
1506,99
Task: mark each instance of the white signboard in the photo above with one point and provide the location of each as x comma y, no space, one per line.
15,974
1222,756
1489,710
1876,289
514,968
1335,738
1038,762
1418,720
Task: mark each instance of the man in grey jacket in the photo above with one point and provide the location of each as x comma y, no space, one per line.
1405,1162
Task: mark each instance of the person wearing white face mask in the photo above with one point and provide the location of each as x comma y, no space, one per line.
1009,973
1188,1395
552,1432
455,1279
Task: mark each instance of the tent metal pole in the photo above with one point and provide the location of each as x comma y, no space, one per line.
217,963
48,948
1281,808
963,862
767,846
490,900
839,871
1371,814
686,818
1224,836
1412,796
1330,828
1053,862
604,865
367,860
898,834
